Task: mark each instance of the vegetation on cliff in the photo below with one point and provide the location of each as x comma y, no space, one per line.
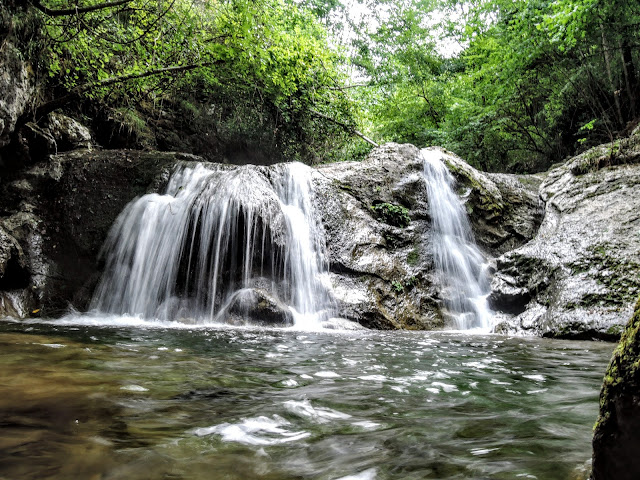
255,76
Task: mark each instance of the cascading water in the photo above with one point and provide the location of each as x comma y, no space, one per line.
220,241
459,264
305,255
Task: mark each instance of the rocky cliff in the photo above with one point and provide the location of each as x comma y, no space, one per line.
580,275
55,216
572,274
376,214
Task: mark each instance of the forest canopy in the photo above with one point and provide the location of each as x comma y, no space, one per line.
528,83
510,85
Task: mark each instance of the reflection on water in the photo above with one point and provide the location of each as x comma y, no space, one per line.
140,403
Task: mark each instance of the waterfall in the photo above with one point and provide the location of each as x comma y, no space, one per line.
219,243
460,266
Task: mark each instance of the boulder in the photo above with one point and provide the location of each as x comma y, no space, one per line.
257,307
580,275
616,439
375,215
69,134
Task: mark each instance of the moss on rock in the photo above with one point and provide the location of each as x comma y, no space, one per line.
616,440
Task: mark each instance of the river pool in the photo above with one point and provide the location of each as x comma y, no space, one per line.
135,400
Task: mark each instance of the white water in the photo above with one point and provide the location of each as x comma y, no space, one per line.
214,242
460,266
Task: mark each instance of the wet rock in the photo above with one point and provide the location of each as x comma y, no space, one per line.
381,266
376,214
69,134
17,87
616,437
257,307
580,275
504,210
37,142
58,212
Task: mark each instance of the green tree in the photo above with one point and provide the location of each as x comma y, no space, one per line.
263,69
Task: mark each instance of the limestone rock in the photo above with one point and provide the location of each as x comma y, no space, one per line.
69,134
616,437
581,273
59,212
381,270
505,210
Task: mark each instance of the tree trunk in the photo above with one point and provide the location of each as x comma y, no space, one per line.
616,92
631,81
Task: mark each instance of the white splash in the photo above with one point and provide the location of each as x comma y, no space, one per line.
260,430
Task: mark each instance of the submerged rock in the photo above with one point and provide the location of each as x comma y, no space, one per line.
580,275
616,439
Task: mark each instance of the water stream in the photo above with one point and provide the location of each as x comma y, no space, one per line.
152,402
461,267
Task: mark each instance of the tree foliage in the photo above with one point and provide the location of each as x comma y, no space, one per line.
535,81
257,68
531,82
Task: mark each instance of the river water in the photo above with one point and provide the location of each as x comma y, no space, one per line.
151,401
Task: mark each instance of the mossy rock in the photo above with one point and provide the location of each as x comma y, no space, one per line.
392,214
616,440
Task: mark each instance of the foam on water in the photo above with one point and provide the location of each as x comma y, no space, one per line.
260,430
304,409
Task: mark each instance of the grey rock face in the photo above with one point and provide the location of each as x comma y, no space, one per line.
69,134
381,269
580,275
505,210
58,213
375,216
382,266
576,276
17,87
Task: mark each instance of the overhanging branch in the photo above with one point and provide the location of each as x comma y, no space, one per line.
348,128
59,102
77,10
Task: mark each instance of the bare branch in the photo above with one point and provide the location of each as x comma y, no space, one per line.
77,10
59,102
345,126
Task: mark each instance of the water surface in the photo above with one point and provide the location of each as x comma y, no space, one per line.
105,402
